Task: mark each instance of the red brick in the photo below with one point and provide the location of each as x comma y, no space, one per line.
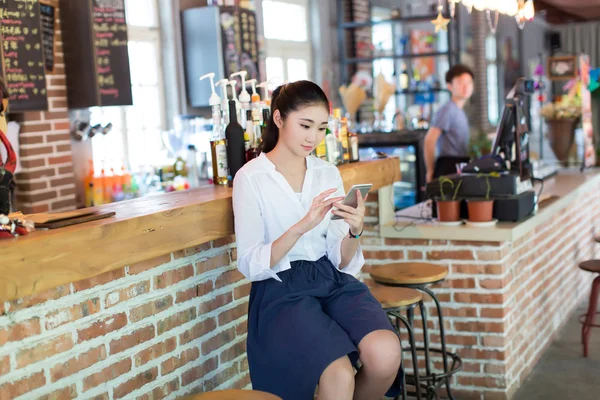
242,329
36,139
481,381
58,205
44,349
478,326
60,160
102,327
218,341
162,391
220,377
475,243
450,255
32,128
176,320
233,352
148,264
215,262
34,175
244,365
54,183
414,255
231,315
38,298
383,255
149,309
494,312
79,363
67,169
38,197
187,294
107,374
198,330
67,192
493,341
223,241
194,374
66,393
228,277
468,283
215,302
19,331
72,313
173,363
459,340
469,353
61,148
480,298
57,138
36,151
99,279
131,340
171,277
154,352
492,283
191,251
462,312
488,269
233,254
13,389
130,292
135,383
494,255
406,242
4,365
241,383
495,369
242,291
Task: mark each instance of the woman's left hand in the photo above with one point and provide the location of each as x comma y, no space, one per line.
353,216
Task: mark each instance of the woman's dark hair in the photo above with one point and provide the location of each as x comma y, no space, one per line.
288,98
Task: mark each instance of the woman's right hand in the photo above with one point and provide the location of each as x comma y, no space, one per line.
319,208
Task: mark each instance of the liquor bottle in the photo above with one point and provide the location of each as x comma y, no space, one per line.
236,154
353,146
218,144
248,132
254,150
404,78
343,136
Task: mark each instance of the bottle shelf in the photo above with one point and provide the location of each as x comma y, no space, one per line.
416,18
359,60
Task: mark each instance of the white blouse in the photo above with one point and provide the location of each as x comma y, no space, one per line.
265,206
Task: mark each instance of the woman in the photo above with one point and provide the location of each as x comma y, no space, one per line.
309,319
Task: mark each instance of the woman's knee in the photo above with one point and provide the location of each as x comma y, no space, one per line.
380,352
339,373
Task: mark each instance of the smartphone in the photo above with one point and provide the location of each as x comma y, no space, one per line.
350,199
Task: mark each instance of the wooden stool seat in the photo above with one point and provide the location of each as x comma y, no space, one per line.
590,266
394,297
408,273
232,395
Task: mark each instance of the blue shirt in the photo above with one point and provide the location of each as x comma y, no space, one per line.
453,122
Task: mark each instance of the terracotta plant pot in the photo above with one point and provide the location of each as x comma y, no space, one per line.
448,211
561,134
480,210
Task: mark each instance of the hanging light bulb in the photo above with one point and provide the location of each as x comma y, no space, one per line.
528,10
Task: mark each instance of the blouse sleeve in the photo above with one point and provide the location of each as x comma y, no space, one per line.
336,232
254,254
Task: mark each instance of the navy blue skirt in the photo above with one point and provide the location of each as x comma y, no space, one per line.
297,327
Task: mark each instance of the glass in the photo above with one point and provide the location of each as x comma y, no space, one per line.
143,70
493,100
141,13
276,26
297,69
274,67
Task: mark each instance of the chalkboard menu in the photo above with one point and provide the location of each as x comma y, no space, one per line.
22,55
48,17
96,56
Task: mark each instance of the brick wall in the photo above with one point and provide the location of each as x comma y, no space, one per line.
168,326
504,303
46,181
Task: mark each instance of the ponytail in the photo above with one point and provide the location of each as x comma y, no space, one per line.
288,98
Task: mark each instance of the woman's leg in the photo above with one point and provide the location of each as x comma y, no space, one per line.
379,353
337,381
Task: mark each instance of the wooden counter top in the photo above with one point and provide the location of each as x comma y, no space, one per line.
142,229
564,188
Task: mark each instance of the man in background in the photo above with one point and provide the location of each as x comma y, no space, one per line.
447,141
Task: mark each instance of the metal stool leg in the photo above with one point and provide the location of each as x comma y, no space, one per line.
442,338
425,338
589,320
413,350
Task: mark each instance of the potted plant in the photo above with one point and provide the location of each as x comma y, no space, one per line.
561,120
448,210
482,210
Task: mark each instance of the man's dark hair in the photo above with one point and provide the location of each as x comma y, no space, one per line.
458,70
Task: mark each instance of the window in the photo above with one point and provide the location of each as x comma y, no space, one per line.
135,139
492,80
288,48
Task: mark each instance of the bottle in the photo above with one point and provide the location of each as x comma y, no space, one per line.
353,144
404,78
218,144
248,133
244,95
254,150
266,115
193,175
321,150
343,137
224,108
238,105
234,133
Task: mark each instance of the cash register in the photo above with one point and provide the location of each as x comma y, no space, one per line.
507,168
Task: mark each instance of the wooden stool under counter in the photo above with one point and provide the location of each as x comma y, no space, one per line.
420,276
587,320
232,395
393,301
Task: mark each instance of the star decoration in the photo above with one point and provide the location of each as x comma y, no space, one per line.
440,23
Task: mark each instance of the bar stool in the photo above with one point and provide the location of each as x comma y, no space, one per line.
420,276
587,320
393,301
232,395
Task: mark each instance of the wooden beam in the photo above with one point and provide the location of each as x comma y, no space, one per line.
142,229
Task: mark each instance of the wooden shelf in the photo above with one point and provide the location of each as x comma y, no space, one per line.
396,57
417,18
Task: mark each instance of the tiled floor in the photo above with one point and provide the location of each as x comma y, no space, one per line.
563,373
